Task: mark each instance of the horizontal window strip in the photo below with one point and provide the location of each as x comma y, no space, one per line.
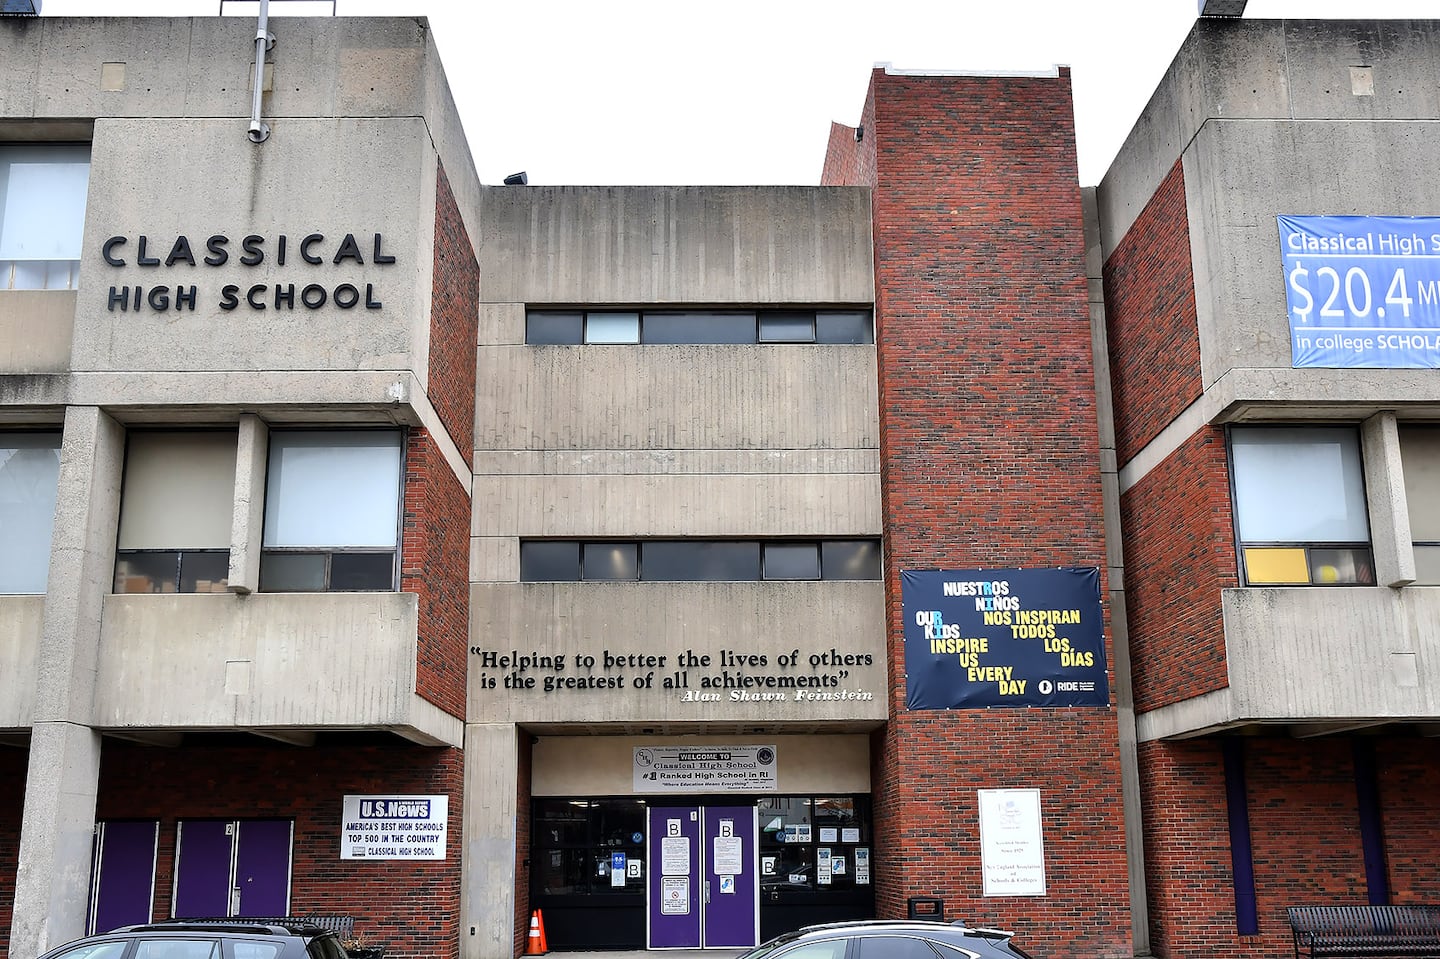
698,560
575,327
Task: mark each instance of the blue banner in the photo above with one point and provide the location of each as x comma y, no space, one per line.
1362,291
1003,637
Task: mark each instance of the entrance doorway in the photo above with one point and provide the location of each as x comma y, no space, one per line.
235,868
703,886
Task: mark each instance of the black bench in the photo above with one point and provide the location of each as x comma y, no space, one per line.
1361,932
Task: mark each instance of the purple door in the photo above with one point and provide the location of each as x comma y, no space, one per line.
702,889
232,868
262,867
203,853
672,852
732,886
124,882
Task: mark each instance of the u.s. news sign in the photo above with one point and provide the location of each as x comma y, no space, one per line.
1362,291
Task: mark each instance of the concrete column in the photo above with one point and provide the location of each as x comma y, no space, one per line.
58,825
247,524
487,897
1115,574
1385,491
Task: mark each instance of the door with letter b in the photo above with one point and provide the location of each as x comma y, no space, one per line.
703,890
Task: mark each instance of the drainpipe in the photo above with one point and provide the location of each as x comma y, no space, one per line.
264,40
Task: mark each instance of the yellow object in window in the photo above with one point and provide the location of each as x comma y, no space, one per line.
1276,565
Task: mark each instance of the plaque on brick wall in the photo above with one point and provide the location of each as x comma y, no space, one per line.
984,638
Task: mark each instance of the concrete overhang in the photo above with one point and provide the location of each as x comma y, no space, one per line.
1317,661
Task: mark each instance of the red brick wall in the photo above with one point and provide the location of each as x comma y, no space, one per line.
848,161
435,563
1408,776
454,315
1150,316
522,842
1305,836
411,908
990,458
13,765
1179,555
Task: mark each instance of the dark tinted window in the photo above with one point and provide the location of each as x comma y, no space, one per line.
292,572
546,562
787,327
698,328
351,571
609,561
683,561
844,327
548,328
894,947
850,559
792,561
204,572
147,572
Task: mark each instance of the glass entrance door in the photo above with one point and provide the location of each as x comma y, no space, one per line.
703,889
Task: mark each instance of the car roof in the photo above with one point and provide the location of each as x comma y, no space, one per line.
253,927
913,925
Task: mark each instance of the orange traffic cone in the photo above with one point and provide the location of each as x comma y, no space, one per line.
535,945
544,943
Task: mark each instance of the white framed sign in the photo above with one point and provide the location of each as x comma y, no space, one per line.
690,769
394,827
1012,844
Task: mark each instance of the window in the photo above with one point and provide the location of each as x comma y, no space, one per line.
894,947
42,214
794,830
178,949
574,840
176,505
1420,459
572,327
1300,506
698,560
29,477
332,511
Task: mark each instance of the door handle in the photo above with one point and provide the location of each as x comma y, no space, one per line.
707,892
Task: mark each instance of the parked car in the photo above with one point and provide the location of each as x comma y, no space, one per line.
206,939
889,939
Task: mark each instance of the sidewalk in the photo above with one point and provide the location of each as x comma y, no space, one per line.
651,954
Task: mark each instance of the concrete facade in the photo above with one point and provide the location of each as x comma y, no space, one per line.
1035,377
1259,705
243,290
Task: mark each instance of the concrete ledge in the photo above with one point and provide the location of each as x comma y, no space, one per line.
314,661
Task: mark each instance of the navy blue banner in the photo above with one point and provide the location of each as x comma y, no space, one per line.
978,638
1362,291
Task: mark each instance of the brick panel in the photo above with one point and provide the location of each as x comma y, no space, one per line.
454,320
1408,776
435,558
1179,555
410,908
13,765
522,843
990,458
1150,318
1305,836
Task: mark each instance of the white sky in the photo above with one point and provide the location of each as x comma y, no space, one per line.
680,91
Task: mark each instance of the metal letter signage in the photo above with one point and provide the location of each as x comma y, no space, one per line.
1362,291
1003,637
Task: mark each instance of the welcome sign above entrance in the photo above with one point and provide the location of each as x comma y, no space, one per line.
697,769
